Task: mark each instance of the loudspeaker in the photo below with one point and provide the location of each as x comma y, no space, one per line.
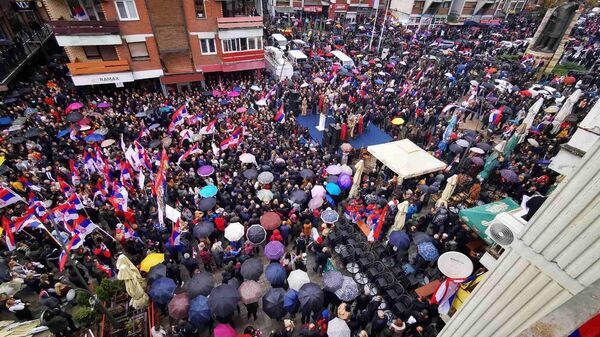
335,135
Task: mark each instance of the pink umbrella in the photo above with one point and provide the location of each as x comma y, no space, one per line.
179,306
233,94
241,110
318,191
216,93
334,169
315,203
103,105
355,71
224,330
74,106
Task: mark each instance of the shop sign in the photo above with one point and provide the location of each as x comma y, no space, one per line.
313,9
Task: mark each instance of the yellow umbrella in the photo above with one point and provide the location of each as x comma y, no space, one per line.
151,260
397,121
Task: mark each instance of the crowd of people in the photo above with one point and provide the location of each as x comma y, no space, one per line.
101,164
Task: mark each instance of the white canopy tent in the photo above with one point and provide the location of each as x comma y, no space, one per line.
406,159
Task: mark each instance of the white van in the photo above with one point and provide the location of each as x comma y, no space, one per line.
277,64
296,57
279,41
344,59
298,44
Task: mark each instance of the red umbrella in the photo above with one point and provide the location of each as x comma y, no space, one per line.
569,80
525,93
329,55
270,220
179,306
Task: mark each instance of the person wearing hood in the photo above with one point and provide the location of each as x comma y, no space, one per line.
276,236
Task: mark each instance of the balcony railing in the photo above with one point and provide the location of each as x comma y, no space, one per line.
249,55
98,67
240,22
65,27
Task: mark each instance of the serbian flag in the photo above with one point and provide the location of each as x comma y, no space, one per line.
75,176
83,226
64,187
174,240
37,208
8,197
444,295
233,140
376,230
125,172
496,116
178,118
89,163
64,213
72,244
209,128
187,153
590,328
280,115
119,199
129,233
143,132
27,221
74,200
195,119
8,234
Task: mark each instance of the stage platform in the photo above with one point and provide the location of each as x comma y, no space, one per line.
372,135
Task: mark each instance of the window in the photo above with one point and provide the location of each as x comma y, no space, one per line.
126,9
200,9
104,53
242,44
138,50
207,46
92,53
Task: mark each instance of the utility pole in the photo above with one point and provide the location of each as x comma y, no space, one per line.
374,23
385,14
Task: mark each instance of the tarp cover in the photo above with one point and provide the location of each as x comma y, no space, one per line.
406,159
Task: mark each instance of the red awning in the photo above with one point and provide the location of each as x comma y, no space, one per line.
243,66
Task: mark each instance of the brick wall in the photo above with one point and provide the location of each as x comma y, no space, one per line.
177,63
167,18
75,54
57,9
213,11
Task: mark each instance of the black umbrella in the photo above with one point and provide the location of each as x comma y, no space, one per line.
307,174
484,146
201,284
204,229
154,143
207,203
256,234
571,118
456,148
156,272
488,85
273,303
207,93
223,300
17,140
252,269
420,237
74,117
332,179
298,196
33,132
311,297
250,173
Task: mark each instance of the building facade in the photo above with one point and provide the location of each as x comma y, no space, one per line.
178,42
434,12
350,10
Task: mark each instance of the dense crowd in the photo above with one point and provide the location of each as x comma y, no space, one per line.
105,158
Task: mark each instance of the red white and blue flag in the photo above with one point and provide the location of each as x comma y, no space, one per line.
129,233
8,197
174,240
75,176
74,200
72,244
233,140
8,234
496,115
27,221
64,213
187,153
160,186
209,128
83,226
178,118
195,119
64,186
377,226
444,295
119,199
280,115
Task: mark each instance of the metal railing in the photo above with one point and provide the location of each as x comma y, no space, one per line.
26,43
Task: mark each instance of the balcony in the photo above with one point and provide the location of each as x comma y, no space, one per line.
97,67
249,55
240,22
86,33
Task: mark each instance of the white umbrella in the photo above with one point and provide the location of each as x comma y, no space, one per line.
337,327
255,88
134,283
304,85
261,102
247,158
234,231
566,109
533,110
318,191
264,195
297,279
359,167
400,217
448,190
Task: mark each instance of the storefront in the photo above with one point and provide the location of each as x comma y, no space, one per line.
106,78
338,11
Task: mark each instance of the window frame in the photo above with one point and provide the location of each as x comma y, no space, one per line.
196,9
129,15
92,58
227,44
214,46
138,58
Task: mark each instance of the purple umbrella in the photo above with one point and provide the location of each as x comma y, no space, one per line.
509,175
332,280
206,170
476,161
103,105
334,169
315,203
74,106
274,250
179,306
344,181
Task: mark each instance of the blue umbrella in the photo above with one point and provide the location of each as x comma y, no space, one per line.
199,313
5,121
165,109
333,189
275,274
365,62
63,133
223,300
399,239
94,138
224,102
208,191
162,290
428,251
290,300
329,199
378,81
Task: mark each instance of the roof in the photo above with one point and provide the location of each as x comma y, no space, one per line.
339,54
297,54
406,159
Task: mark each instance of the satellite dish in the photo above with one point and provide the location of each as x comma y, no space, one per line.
455,265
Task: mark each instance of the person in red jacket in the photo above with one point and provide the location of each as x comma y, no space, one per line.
276,236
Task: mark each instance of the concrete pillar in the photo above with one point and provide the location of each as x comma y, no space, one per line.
555,258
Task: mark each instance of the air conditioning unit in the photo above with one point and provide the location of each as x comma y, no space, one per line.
505,228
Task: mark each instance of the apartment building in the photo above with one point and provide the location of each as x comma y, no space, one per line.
433,12
331,9
177,42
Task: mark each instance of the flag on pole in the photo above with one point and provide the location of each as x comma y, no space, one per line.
195,119
444,294
174,240
178,118
233,140
119,199
8,197
83,226
72,244
8,234
209,128
160,186
64,186
187,153
280,115
74,199
27,221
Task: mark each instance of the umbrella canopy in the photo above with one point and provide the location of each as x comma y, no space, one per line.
151,260
265,177
250,291
298,196
307,174
346,170
297,279
397,120
156,272
234,231
206,170
484,146
250,173
273,303
476,150
270,220
310,296
203,229
256,234
477,161
162,290
348,291
94,138
107,143
247,158
290,301
275,274
199,312
420,237
223,300
318,191
315,203
74,106
74,117
33,132
134,283
201,284
252,269
332,280
179,306
333,189
207,203
509,175
455,148
264,195
334,169
399,239
337,327
208,191
274,250
344,181
329,216
428,251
